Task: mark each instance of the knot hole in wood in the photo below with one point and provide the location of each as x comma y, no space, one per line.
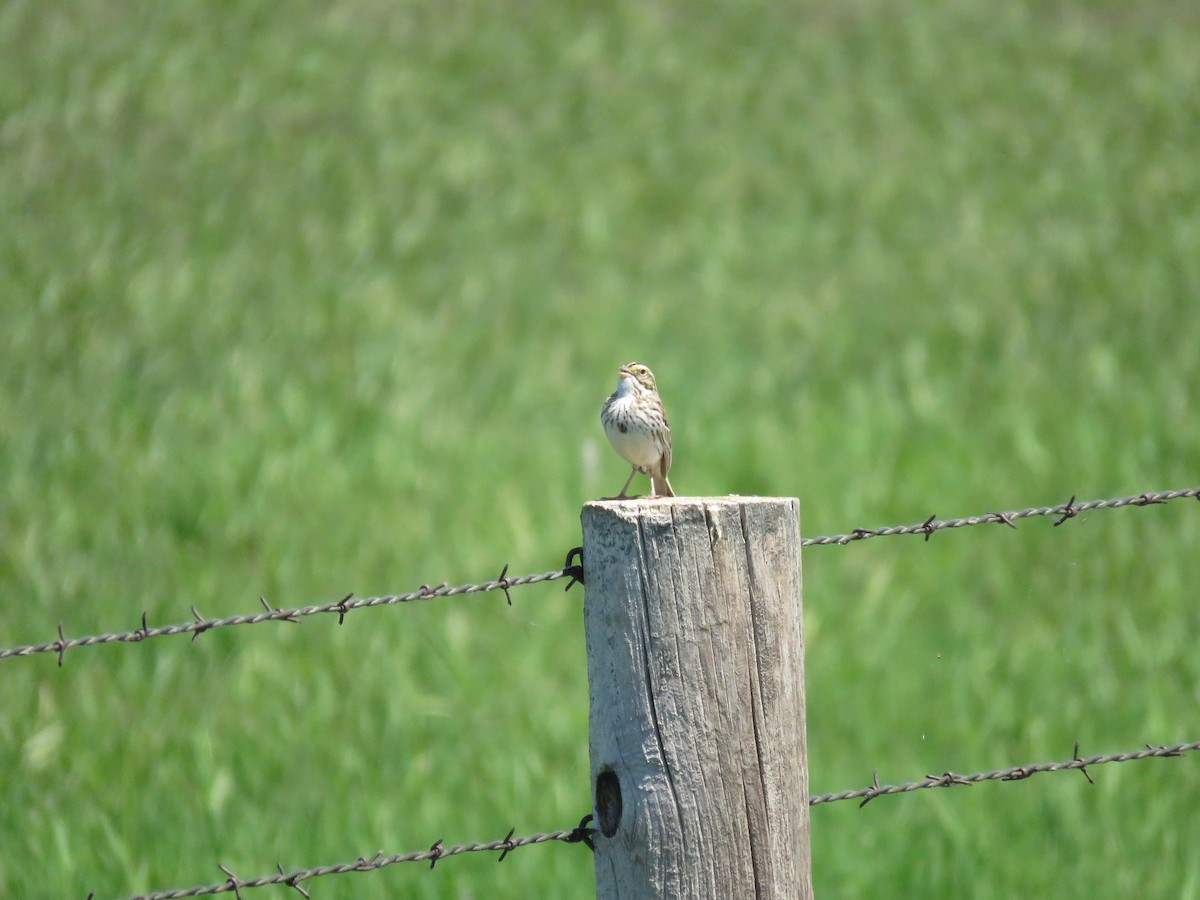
608,802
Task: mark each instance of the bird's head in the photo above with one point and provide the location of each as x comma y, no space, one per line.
638,373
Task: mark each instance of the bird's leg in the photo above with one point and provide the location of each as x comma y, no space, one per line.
628,481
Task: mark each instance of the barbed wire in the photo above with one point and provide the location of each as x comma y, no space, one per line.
582,833
572,570
579,834
275,614
1015,773
1065,511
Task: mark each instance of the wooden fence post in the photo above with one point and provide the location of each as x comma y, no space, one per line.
696,674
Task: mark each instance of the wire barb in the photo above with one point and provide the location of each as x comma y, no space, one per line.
872,792
1069,511
281,614
928,527
1018,774
341,608
502,581
1165,751
1082,768
233,881
365,865
508,844
293,882
202,626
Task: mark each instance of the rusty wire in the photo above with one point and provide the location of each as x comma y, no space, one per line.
584,834
1015,773
275,614
1064,511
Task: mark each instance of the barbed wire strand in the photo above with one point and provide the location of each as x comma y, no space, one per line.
583,834
275,614
1064,511
579,834
1015,773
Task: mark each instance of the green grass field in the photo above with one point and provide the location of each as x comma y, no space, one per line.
302,299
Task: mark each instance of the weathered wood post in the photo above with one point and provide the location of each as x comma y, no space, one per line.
696,672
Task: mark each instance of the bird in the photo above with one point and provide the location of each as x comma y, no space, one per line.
636,425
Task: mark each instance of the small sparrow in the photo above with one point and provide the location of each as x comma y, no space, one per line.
636,425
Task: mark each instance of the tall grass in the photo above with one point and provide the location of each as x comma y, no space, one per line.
309,298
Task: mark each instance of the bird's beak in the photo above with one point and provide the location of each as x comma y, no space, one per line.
625,371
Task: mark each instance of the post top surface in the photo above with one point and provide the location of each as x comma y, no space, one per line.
726,499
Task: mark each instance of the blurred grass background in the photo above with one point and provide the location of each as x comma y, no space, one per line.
309,298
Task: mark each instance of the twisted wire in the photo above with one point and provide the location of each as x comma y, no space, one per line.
583,834
275,614
294,879
1015,773
1064,511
